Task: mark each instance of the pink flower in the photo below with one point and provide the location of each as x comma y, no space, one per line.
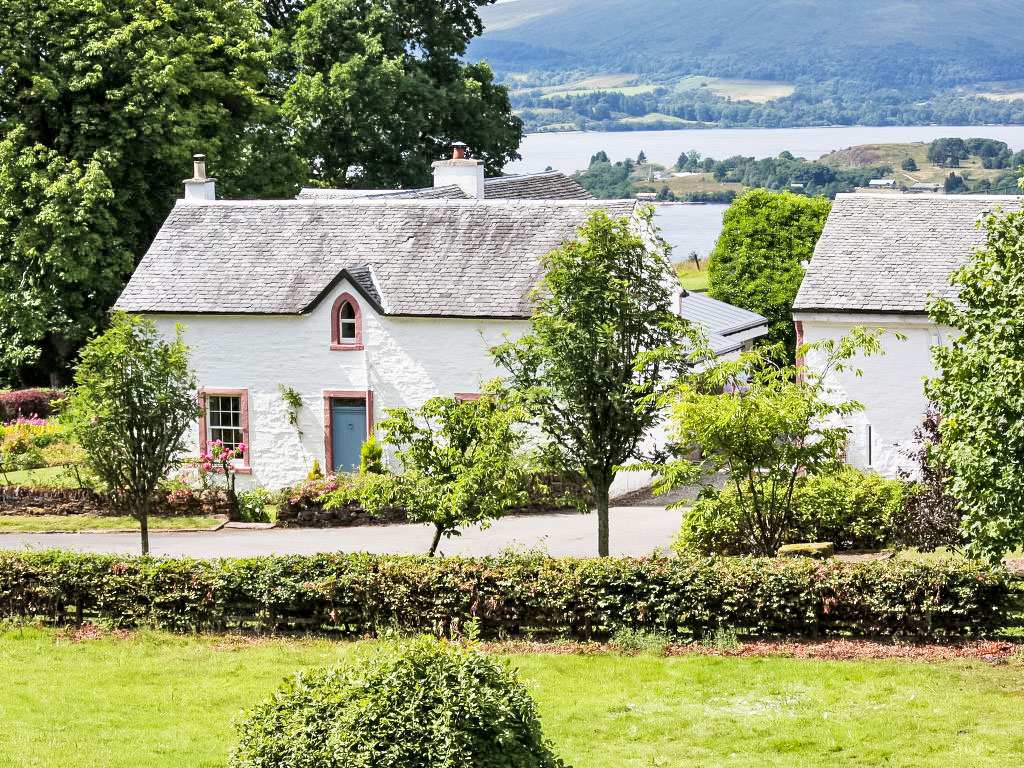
207,465
241,446
93,420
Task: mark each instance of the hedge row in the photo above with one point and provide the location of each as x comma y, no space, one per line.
510,596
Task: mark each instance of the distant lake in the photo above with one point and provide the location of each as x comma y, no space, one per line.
689,227
571,152
696,227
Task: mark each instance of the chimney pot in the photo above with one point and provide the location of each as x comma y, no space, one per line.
200,186
460,171
459,150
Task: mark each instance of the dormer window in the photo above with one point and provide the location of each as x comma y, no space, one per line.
346,323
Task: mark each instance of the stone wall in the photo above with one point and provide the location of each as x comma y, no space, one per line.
24,500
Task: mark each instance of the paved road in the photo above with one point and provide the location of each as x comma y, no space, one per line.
634,531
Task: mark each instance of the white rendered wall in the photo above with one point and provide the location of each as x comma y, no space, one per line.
404,362
891,388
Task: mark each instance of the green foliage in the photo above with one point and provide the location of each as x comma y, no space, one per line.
604,180
575,598
428,702
980,389
766,423
101,106
371,456
461,464
909,164
315,473
293,402
134,398
756,263
377,91
635,641
850,508
603,337
252,505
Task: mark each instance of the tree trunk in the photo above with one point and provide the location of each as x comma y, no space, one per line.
602,521
436,541
144,523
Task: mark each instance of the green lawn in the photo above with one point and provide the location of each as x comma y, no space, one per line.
164,700
51,523
691,278
44,476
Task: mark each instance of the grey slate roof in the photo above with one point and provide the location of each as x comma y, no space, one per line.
453,258
889,253
550,185
717,316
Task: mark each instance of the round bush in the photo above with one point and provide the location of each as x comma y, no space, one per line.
428,704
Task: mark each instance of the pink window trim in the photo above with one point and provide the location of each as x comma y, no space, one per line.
462,397
245,468
336,340
366,395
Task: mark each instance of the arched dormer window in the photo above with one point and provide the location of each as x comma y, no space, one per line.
346,323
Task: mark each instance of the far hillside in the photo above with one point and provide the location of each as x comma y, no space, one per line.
954,165
617,64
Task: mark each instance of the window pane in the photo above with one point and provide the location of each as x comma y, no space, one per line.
347,312
348,329
224,419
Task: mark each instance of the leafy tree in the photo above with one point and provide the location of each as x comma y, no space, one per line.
641,158
377,91
909,164
597,350
133,400
102,104
460,464
766,423
954,183
427,703
931,516
757,262
980,389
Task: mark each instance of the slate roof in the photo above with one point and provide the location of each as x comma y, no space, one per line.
721,322
889,253
450,258
550,185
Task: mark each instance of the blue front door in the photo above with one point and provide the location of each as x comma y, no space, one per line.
348,431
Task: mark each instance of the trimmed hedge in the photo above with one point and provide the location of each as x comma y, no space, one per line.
510,596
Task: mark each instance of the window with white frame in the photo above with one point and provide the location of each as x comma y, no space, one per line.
224,420
347,323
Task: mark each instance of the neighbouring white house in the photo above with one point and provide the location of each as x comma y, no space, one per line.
879,261
360,301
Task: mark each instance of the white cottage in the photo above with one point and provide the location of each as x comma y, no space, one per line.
879,260
359,301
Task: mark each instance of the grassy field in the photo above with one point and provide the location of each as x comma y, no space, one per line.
48,476
56,523
893,154
695,182
692,279
159,700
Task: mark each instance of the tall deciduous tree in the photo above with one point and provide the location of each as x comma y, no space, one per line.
756,263
133,400
461,464
102,104
980,389
377,90
590,363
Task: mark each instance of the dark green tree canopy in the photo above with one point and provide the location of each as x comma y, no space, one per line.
756,263
379,91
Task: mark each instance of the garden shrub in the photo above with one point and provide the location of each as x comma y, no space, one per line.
252,505
850,508
26,403
428,703
575,598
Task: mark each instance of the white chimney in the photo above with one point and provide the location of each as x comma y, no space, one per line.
199,187
460,171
